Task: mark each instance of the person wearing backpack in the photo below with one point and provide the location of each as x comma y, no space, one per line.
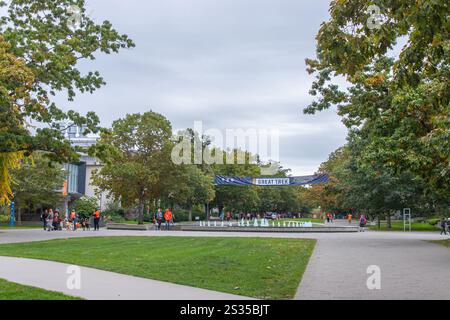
159,219
443,226
362,223
74,219
49,220
44,216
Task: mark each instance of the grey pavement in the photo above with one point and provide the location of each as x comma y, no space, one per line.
411,267
97,284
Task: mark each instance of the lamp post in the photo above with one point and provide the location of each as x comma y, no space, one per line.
12,212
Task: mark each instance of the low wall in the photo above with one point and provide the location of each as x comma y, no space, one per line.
269,229
191,227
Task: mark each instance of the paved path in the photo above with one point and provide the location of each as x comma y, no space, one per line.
411,268
98,284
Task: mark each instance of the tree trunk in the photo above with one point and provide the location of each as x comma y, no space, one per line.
388,220
379,221
141,212
19,216
207,211
190,213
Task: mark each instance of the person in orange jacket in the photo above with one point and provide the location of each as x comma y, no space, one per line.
168,216
97,215
349,218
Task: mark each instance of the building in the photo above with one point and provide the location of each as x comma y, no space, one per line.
79,173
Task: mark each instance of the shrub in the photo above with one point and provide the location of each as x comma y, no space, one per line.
85,206
183,214
4,218
433,222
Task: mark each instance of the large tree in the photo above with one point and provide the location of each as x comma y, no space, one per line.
190,187
41,47
136,155
399,104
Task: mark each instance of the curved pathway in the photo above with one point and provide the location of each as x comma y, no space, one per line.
97,284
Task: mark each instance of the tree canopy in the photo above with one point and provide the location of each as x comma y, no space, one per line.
398,105
40,53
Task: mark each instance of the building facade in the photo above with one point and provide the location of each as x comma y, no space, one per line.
78,178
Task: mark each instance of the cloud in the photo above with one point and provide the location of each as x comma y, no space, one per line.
228,63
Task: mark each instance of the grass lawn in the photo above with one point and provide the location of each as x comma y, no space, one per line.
445,243
398,226
6,226
15,291
267,268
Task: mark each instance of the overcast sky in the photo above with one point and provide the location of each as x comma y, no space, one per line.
228,63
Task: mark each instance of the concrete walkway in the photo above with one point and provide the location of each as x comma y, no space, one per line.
411,267
98,284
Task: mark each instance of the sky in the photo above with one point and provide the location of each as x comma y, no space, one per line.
228,63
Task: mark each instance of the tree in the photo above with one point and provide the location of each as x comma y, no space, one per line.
191,187
236,198
37,183
136,155
399,105
15,85
39,53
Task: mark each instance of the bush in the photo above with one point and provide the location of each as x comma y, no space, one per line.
85,206
433,222
115,212
4,218
183,214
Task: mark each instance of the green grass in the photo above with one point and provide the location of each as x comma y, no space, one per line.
445,243
398,226
15,291
267,268
6,226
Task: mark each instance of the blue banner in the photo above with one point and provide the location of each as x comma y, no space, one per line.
270,182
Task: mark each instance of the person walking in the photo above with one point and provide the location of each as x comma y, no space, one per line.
443,226
362,223
44,216
49,220
97,215
349,218
56,220
74,219
168,218
159,219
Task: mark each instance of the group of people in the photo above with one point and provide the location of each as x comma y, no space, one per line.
54,221
168,217
362,220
